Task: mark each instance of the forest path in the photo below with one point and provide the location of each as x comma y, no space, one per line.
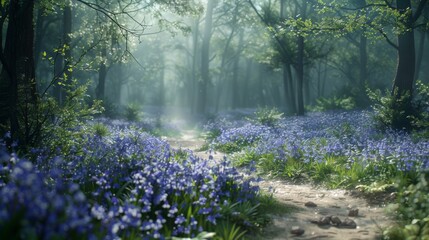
370,220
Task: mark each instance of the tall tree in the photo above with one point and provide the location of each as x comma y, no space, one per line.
17,79
205,59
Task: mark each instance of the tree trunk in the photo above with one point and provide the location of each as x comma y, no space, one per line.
224,70
18,87
102,73
62,62
205,51
235,86
420,54
405,70
194,79
300,76
245,97
363,63
67,30
261,86
289,87
40,34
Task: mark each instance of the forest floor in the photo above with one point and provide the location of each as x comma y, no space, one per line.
309,205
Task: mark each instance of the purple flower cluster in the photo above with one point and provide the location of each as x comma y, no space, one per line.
243,135
317,136
33,204
126,184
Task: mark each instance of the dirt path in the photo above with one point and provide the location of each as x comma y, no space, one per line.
310,205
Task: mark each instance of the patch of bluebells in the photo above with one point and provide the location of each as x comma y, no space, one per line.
243,135
318,135
36,205
117,186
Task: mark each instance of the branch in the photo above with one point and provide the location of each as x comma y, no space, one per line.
390,42
112,16
57,76
386,4
278,40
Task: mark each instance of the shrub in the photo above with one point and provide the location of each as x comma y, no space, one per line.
268,116
61,125
413,209
334,103
100,129
132,112
403,113
111,110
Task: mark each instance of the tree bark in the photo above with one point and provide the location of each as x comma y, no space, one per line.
403,82
420,54
300,76
289,87
102,73
205,51
235,86
18,86
363,63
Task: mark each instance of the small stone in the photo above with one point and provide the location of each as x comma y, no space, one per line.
392,197
296,230
354,212
310,204
348,223
323,221
336,221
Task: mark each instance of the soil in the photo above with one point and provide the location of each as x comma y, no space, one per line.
309,205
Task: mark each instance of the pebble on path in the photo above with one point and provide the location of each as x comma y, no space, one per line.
310,204
296,230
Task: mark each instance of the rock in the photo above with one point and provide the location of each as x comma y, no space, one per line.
296,230
354,212
336,221
323,221
348,223
310,204
392,197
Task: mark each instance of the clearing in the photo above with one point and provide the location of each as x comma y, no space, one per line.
309,205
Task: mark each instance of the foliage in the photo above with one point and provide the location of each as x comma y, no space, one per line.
403,113
127,185
236,139
268,116
421,123
111,110
228,231
334,103
53,125
100,129
392,112
336,149
132,112
413,209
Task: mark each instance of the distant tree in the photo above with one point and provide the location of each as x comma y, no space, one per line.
205,59
293,48
18,93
